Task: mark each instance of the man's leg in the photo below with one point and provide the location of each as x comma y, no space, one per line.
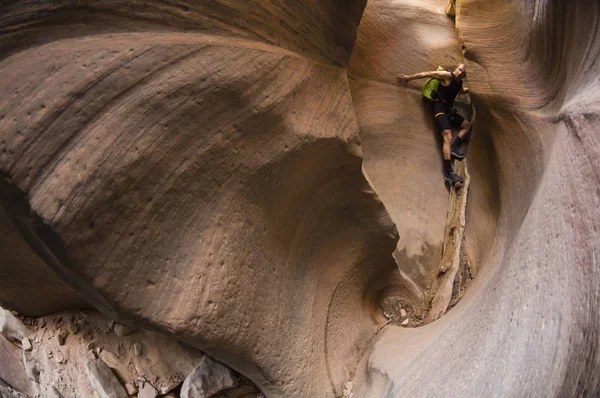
465,126
446,152
446,149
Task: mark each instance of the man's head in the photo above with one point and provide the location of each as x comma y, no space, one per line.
460,71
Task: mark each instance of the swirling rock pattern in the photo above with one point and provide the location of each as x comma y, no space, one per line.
205,185
402,147
529,325
195,167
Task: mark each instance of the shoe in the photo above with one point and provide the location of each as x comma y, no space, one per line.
457,153
453,178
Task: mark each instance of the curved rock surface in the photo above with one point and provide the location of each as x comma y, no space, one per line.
530,323
206,186
196,168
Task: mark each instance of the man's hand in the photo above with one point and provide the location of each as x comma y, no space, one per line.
403,78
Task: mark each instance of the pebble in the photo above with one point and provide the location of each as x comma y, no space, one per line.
61,336
404,322
122,330
59,358
26,344
402,312
73,328
137,348
347,391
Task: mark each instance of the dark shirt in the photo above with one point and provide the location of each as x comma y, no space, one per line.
448,93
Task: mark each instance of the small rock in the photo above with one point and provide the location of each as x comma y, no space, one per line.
209,378
61,336
147,391
347,390
59,358
385,314
137,348
122,330
37,339
26,344
73,328
91,345
404,322
402,312
131,389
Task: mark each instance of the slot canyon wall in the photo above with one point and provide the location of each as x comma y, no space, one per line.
528,325
196,169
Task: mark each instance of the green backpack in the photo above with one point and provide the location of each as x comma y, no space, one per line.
430,86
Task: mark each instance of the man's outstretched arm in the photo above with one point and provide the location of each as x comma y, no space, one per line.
442,75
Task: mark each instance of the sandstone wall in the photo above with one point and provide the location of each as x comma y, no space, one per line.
197,169
529,325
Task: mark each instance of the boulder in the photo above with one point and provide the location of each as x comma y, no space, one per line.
209,378
11,327
102,379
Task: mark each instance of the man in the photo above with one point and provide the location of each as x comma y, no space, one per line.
450,85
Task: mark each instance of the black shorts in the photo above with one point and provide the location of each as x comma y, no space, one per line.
445,116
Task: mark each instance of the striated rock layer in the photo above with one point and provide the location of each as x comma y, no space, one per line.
182,177
402,146
530,324
196,169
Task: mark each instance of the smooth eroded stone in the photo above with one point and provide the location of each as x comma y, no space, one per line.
209,378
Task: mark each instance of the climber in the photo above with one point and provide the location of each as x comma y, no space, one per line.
450,85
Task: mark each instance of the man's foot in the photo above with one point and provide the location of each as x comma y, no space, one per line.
453,178
457,153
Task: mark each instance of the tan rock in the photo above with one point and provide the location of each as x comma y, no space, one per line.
147,391
26,344
73,328
103,380
11,327
131,389
173,177
138,349
122,330
61,336
113,362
